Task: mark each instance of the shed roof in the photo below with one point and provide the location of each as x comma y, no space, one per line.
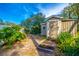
53,16
58,18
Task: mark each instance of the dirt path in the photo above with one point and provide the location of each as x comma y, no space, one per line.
26,47
41,52
22,48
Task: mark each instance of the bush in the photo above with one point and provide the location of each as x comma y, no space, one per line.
11,34
26,30
64,36
35,30
16,27
67,44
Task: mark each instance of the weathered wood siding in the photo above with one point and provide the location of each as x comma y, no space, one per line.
53,31
66,25
53,26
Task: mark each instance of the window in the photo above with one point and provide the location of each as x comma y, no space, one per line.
43,27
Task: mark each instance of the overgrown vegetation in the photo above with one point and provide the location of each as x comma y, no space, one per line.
68,44
10,34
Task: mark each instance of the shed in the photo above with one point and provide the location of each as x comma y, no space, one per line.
54,25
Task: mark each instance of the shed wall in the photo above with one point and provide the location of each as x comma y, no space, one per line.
55,26
43,29
66,25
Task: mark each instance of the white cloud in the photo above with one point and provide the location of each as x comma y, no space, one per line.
52,10
25,8
28,11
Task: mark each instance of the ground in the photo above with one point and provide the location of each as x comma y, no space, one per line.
26,47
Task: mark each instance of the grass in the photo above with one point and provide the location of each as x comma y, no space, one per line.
44,37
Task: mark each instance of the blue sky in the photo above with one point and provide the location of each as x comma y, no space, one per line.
16,12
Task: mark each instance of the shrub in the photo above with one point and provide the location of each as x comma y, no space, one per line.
64,36
35,30
11,34
67,44
16,27
26,30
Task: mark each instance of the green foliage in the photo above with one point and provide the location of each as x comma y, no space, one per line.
16,27
68,45
11,34
64,36
26,30
36,30
66,13
32,24
71,11
1,20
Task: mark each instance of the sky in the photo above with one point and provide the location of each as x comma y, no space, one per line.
16,12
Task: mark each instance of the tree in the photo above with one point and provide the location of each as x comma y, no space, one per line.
72,9
68,12
33,23
27,23
75,9
1,21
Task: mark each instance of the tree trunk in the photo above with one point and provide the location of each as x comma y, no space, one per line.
73,25
69,15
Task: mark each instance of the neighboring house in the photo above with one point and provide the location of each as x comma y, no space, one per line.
2,26
54,25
